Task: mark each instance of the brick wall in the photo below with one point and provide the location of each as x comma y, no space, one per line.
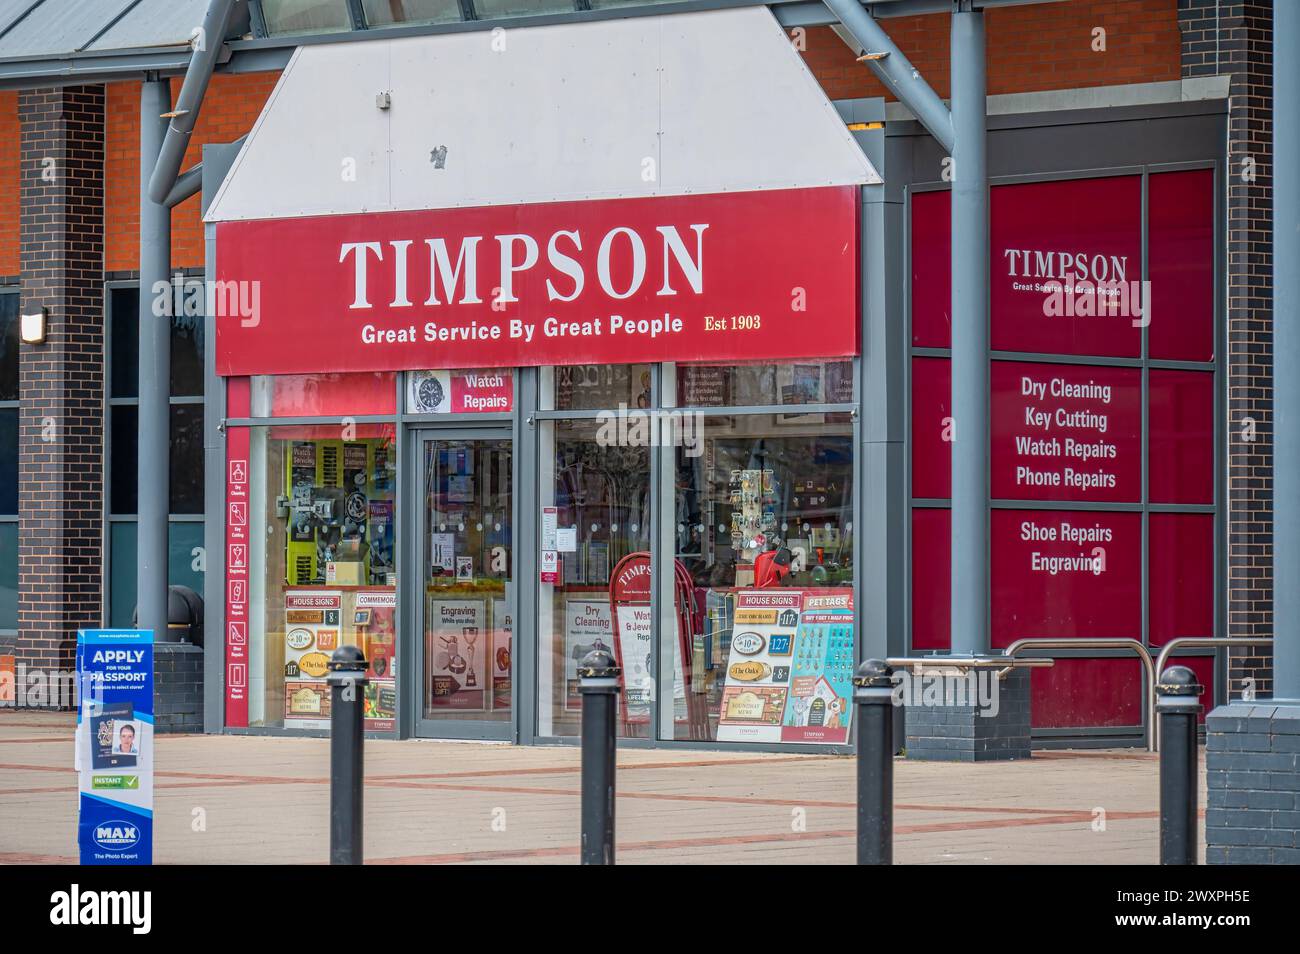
61,418
230,108
1036,47
1237,38
9,137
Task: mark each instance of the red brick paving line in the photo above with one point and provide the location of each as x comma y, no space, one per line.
680,843
574,769
26,858
756,839
50,738
217,781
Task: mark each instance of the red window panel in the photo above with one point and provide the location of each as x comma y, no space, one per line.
931,579
931,427
1180,261
1181,451
1062,573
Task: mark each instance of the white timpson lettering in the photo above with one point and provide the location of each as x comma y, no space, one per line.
563,263
692,271
359,249
399,274
638,263
1080,266
455,281
440,268
508,266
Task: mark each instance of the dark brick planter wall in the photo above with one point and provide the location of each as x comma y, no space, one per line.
961,733
1252,765
61,415
178,687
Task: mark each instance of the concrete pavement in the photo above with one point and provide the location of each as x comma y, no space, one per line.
241,799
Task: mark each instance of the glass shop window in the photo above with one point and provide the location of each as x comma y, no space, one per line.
762,590
600,519
594,387
749,385
325,572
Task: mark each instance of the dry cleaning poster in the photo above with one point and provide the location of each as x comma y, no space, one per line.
790,668
114,752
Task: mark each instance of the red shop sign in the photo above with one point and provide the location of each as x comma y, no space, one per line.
730,276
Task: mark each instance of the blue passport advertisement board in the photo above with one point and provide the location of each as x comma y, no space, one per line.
115,746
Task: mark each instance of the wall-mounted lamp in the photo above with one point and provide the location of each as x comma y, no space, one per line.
32,327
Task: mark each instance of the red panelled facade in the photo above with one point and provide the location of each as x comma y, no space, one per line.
1102,433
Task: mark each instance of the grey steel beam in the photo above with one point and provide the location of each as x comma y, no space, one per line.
1286,355
155,372
203,61
892,68
970,336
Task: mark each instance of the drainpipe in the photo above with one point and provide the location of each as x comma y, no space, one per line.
970,336
189,182
894,70
164,136
154,440
216,23
1286,357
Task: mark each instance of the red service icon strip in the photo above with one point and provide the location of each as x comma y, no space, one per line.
237,546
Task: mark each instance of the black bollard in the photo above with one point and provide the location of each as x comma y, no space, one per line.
1178,704
347,681
598,682
874,694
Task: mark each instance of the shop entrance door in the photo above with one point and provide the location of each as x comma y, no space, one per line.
465,621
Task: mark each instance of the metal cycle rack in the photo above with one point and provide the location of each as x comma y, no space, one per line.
1214,642
1021,645
1153,667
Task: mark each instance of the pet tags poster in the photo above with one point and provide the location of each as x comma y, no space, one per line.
789,668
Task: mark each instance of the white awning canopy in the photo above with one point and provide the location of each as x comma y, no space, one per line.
705,102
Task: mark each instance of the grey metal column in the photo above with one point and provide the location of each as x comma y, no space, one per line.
970,336
1286,355
155,371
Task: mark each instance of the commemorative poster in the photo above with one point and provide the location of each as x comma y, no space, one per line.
790,668
373,619
114,750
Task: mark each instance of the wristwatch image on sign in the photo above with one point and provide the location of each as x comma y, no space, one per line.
428,394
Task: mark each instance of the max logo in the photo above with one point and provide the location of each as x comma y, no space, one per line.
116,836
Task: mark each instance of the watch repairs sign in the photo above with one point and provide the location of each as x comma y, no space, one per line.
114,751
